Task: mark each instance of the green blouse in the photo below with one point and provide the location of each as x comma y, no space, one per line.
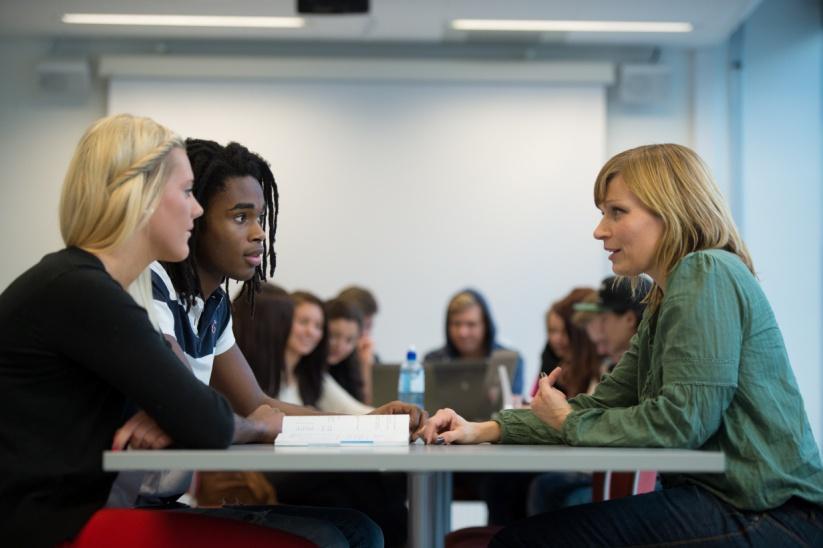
708,370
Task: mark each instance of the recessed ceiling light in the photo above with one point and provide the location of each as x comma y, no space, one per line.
535,25
183,20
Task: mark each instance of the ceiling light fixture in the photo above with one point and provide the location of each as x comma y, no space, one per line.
183,20
535,25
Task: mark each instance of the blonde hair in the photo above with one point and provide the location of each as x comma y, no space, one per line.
112,187
675,185
114,181
460,302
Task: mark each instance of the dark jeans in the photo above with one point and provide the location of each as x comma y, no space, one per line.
555,490
327,527
682,516
382,497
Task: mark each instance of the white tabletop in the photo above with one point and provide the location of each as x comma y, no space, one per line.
419,458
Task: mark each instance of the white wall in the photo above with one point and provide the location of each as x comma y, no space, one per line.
38,136
782,175
415,190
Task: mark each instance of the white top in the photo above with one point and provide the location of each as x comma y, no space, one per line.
197,341
200,365
333,398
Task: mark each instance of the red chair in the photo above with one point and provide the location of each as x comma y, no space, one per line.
615,485
168,529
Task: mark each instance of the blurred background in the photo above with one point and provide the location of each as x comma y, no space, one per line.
423,146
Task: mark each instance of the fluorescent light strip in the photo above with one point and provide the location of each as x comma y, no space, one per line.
532,25
183,20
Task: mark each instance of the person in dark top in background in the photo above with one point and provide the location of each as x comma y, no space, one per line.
620,308
471,333
74,344
571,346
364,300
345,325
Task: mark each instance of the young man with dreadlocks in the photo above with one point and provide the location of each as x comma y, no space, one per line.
239,195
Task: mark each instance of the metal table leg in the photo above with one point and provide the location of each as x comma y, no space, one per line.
430,497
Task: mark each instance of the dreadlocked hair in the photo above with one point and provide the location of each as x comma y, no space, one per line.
213,164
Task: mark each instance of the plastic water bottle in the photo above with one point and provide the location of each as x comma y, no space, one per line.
412,381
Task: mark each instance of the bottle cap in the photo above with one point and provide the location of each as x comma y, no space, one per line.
411,353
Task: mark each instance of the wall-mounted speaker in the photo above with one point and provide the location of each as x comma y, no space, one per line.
643,84
64,76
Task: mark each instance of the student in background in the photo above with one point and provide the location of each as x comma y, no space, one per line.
471,333
612,316
69,333
619,308
570,344
345,325
586,317
707,370
365,301
286,344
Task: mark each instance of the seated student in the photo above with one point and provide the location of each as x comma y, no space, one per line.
345,324
365,301
707,370
239,194
286,344
70,335
292,365
612,315
585,318
470,333
619,308
571,345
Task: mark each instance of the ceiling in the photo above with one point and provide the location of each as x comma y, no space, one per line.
415,21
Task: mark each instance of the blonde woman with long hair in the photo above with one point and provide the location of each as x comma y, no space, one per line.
74,345
707,370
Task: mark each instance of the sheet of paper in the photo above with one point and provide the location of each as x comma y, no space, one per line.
354,430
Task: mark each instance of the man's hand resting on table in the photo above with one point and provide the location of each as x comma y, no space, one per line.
417,416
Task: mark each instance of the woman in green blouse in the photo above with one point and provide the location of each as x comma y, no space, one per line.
707,370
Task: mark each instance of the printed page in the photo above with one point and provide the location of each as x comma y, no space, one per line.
353,430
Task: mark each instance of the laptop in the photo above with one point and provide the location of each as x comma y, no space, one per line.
384,377
473,388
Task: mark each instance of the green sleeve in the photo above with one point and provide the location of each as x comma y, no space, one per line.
521,426
692,375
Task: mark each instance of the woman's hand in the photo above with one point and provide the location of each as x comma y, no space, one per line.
140,432
549,403
447,427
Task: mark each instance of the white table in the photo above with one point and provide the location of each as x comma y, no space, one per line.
429,467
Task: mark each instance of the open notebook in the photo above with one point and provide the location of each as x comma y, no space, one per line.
344,430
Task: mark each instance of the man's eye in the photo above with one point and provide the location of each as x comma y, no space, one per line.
241,218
